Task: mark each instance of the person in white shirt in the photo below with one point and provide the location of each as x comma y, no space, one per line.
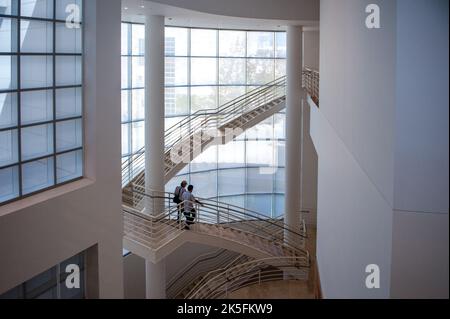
188,206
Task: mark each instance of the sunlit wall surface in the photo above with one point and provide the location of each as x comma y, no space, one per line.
206,68
40,96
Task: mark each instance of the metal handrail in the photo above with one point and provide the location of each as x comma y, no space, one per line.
223,281
197,269
158,229
210,119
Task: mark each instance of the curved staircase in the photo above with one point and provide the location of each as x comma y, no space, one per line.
259,242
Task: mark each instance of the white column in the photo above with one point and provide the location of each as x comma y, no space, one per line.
154,140
294,103
154,109
155,276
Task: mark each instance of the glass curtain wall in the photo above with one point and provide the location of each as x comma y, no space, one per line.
204,69
41,125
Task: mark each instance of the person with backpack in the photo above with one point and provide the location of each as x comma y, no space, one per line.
178,198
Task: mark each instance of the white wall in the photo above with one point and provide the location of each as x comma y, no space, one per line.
134,277
420,248
311,47
41,231
258,9
353,133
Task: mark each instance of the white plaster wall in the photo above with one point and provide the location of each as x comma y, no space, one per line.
420,234
43,230
353,219
134,277
353,133
311,47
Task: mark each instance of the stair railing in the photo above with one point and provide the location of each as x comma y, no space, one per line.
157,230
207,120
224,281
196,270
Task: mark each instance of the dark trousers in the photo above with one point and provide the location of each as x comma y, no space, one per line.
180,208
190,217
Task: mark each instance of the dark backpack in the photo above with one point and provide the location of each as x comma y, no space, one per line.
176,198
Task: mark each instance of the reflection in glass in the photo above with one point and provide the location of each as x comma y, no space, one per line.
37,175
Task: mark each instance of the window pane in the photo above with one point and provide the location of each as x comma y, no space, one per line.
207,160
232,71
68,70
37,8
260,71
138,39
63,5
8,110
203,97
36,36
138,134
37,71
176,41
138,106
280,153
260,44
125,73
203,71
126,139
37,141
41,284
279,180
258,182
205,184
69,166
126,113
69,135
68,40
138,72
232,154
232,43
203,42
176,71
8,147
280,44
9,183
36,106
261,131
8,73
176,101
260,153
233,200
37,175
260,203
280,126
231,182
9,6
68,103
8,34
229,93
279,206
280,68
124,39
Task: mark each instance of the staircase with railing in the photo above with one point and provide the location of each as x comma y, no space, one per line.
154,236
153,232
219,283
195,133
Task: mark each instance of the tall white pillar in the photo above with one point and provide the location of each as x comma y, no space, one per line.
154,109
294,102
155,277
154,140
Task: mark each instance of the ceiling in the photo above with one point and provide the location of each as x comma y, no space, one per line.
136,10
